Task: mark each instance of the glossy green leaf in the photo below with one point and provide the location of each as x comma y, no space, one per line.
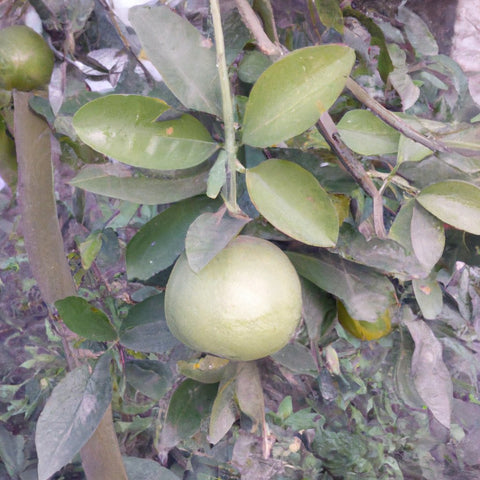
427,237
144,329
71,415
150,377
85,320
454,202
429,296
290,95
118,181
365,133
160,241
365,293
209,234
128,128
190,404
186,59
293,201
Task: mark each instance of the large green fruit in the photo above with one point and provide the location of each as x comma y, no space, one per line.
26,61
245,304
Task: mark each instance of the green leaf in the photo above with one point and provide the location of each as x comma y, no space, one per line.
297,358
150,377
290,95
85,320
249,393
330,14
144,329
146,469
11,452
427,237
365,293
71,415
208,369
454,202
90,248
160,241
253,64
293,201
365,133
117,181
128,128
190,404
186,59
217,175
430,374
429,296
209,234
224,411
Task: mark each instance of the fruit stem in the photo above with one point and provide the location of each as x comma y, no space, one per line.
227,106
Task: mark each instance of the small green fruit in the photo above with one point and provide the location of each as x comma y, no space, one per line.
26,61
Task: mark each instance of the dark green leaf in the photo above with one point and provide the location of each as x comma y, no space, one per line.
117,181
126,127
365,293
290,95
11,452
253,64
150,377
454,202
160,241
190,404
144,329
71,415
85,320
297,358
293,201
209,234
186,60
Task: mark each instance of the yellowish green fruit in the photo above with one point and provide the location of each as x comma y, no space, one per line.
26,61
365,330
244,305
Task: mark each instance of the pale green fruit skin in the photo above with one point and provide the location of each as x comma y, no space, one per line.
26,61
244,305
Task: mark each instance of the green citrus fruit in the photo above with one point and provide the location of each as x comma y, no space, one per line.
362,329
26,61
245,304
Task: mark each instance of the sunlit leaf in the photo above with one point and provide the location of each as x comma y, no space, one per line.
454,202
160,241
90,248
71,415
293,201
290,95
431,376
85,319
185,59
127,128
365,293
117,181
365,133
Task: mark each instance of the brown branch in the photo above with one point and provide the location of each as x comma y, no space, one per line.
328,129
393,120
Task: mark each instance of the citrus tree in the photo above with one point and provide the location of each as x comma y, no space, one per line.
270,192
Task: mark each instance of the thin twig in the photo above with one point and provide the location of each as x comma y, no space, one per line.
393,120
252,22
328,129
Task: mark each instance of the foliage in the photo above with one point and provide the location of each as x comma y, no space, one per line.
150,148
